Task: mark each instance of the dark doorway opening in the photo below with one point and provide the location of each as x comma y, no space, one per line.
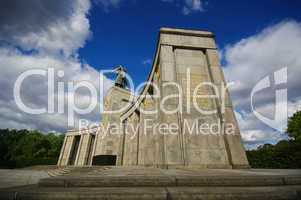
74,150
104,160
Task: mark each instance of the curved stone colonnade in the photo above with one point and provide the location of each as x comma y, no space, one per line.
185,57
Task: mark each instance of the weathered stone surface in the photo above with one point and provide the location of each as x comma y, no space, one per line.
292,180
170,193
110,181
225,193
13,178
186,57
153,183
187,41
180,176
113,193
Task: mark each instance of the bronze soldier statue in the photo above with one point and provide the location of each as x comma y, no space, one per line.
120,78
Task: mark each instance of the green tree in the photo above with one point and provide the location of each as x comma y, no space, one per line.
294,126
21,148
285,154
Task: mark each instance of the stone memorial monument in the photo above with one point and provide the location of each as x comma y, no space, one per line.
187,58
156,145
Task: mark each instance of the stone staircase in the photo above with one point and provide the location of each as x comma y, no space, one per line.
149,183
59,171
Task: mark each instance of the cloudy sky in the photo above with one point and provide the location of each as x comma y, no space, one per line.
81,37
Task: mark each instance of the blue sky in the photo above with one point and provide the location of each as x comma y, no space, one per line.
127,34
256,39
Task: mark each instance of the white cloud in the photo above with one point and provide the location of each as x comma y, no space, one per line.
46,45
258,56
107,4
188,6
254,133
65,35
34,90
192,6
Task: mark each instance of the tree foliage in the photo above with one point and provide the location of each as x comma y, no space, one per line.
285,154
21,148
294,126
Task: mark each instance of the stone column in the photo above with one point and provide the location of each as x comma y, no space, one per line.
83,150
79,149
67,152
172,142
235,150
147,138
131,148
59,162
121,146
159,139
97,135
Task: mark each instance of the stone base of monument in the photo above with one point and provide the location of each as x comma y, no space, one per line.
154,183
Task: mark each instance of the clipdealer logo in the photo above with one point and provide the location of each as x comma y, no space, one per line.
280,117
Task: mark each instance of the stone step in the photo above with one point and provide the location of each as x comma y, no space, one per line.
108,181
157,193
165,181
58,172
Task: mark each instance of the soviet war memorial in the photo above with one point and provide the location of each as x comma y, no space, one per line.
103,99
184,58
196,154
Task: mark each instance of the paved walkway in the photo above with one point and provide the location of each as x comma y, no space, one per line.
180,171
133,183
12,178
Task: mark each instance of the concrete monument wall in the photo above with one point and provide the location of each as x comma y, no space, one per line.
188,58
